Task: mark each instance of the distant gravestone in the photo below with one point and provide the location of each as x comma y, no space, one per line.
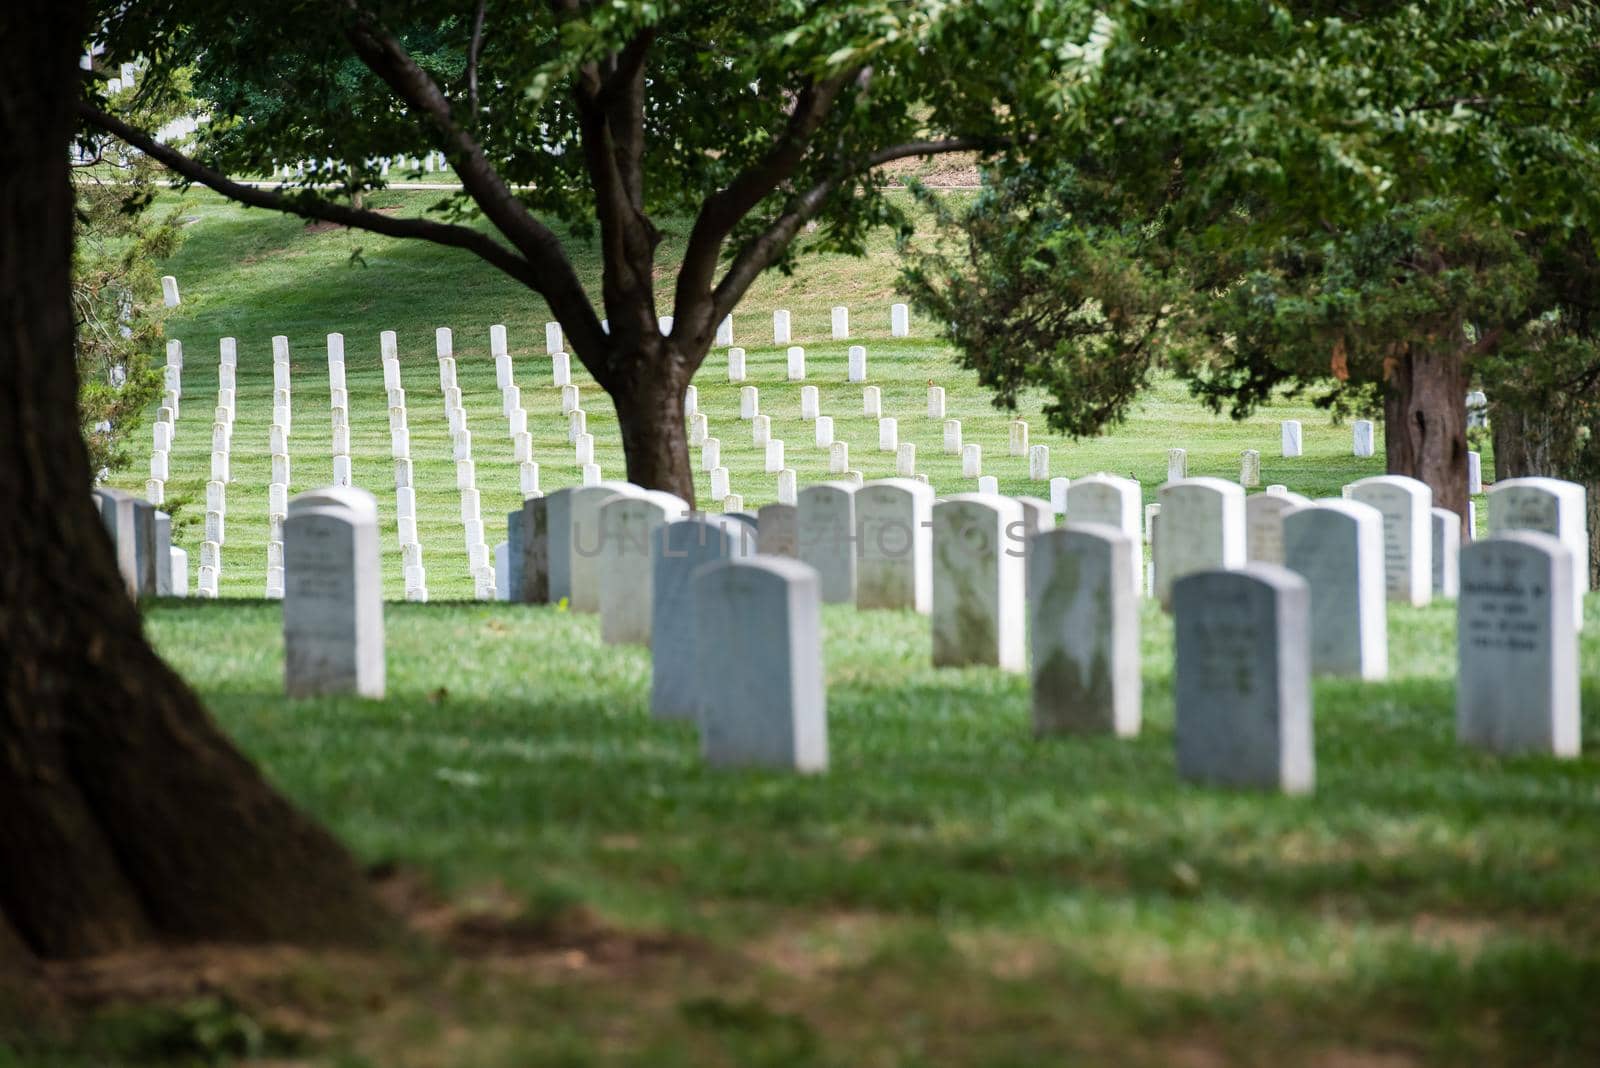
893,545
131,523
758,641
1361,437
825,532
162,549
679,549
1263,524
1549,506
1242,681
1517,646
530,553
777,528
1446,530
1201,528
1084,629
1292,439
333,595
1337,547
558,523
586,539
1407,507
625,562
1114,501
978,591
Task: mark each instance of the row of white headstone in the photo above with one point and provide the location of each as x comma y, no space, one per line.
782,334
980,563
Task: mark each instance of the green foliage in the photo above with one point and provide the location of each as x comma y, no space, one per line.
116,291
281,84
1286,197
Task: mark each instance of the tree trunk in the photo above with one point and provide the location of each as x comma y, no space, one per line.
1425,423
127,814
1524,446
650,416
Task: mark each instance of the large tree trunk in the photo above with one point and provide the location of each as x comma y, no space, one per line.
1425,423
127,814
1525,446
650,416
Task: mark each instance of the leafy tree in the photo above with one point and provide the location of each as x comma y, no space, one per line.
1380,203
129,817
116,295
750,118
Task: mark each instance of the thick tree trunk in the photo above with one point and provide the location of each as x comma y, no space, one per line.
650,416
127,814
1425,423
1525,446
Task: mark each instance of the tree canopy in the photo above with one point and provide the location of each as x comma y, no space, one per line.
750,119
1298,196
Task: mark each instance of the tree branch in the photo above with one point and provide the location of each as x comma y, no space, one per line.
763,250
472,58
723,209
558,282
310,207
609,98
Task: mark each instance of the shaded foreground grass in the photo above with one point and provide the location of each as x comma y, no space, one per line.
952,892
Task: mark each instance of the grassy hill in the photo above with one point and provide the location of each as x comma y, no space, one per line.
251,275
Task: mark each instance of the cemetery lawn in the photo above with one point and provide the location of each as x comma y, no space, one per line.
252,275
952,892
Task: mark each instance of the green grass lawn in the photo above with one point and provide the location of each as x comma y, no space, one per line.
250,275
953,891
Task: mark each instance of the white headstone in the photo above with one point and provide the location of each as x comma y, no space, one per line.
679,548
1039,463
1517,688
1250,469
1446,529
749,402
758,641
1292,439
977,573
1202,528
1549,506
888,435
825,524
1263,524
971,460
899,320
736,365
1242,681
1114,501
1177,464
780,327
856,366
894,545
840,323
1337,547
1361,437
796,363
1407,507
333,595
625,561
1084,631
952,437
823,431
872,402
1018,437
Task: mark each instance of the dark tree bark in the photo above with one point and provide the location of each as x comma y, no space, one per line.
1425,423
650,415
127,814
